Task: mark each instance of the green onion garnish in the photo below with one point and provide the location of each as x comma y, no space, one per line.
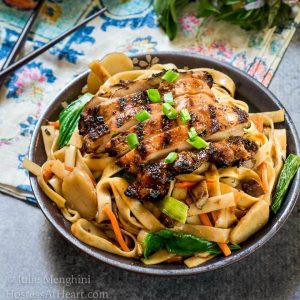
170,76
142,116
153,95
197,142
168,98
169,111
192,133
132,140
174,208
171,157
185,115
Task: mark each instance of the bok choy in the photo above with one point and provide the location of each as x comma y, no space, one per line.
69,118
179,243
290,167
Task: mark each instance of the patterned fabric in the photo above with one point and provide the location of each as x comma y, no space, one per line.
130,27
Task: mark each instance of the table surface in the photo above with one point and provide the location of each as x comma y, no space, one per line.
36,262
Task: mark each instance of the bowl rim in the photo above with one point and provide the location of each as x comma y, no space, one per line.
226,261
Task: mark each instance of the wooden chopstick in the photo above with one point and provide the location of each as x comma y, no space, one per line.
22,37
33,54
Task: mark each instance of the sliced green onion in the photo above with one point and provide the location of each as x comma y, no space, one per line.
174,208
197,142
192,133
290,168
153,95
170,76
169,111
168,98
185,115
251,129
142,116
172,156
132,140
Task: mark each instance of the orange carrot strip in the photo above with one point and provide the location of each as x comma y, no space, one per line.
205,219
259,122
184,184
54,124
223,246
116,228
47,174
264,176
225,249
69,168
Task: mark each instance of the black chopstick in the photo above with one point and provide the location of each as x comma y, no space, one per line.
33,54
22,37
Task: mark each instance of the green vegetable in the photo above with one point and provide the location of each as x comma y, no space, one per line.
168,98
197,142
174,208
69,118
290,167
167,11
142,116
251,129
179,243
153,95
192,133
169,111
250,15
172,156
132,140
185,115
170,76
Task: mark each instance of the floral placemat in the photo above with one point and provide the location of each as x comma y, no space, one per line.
130,27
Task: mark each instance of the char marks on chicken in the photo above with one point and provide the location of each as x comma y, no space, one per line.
154,179
108,119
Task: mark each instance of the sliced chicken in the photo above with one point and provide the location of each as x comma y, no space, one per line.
213,121
153,181
98,133
101,112
157,124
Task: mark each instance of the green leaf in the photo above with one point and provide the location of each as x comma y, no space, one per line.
289,170
69,118
179,243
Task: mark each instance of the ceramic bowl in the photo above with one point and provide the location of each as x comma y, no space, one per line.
255,94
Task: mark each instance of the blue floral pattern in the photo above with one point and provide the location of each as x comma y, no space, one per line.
70,54
9,37
32,74
28,126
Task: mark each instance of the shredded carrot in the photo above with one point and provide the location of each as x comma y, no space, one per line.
225,249
54,124
223,246
259,122
184,184
69,168
116,228
47,174
264,176
205,219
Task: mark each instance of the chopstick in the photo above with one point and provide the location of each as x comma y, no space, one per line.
33,54
22,37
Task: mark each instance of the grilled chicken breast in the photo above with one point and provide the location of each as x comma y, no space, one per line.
108,119
153,181
213,121
101,114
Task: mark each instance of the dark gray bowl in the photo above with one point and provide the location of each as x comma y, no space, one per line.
259,98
